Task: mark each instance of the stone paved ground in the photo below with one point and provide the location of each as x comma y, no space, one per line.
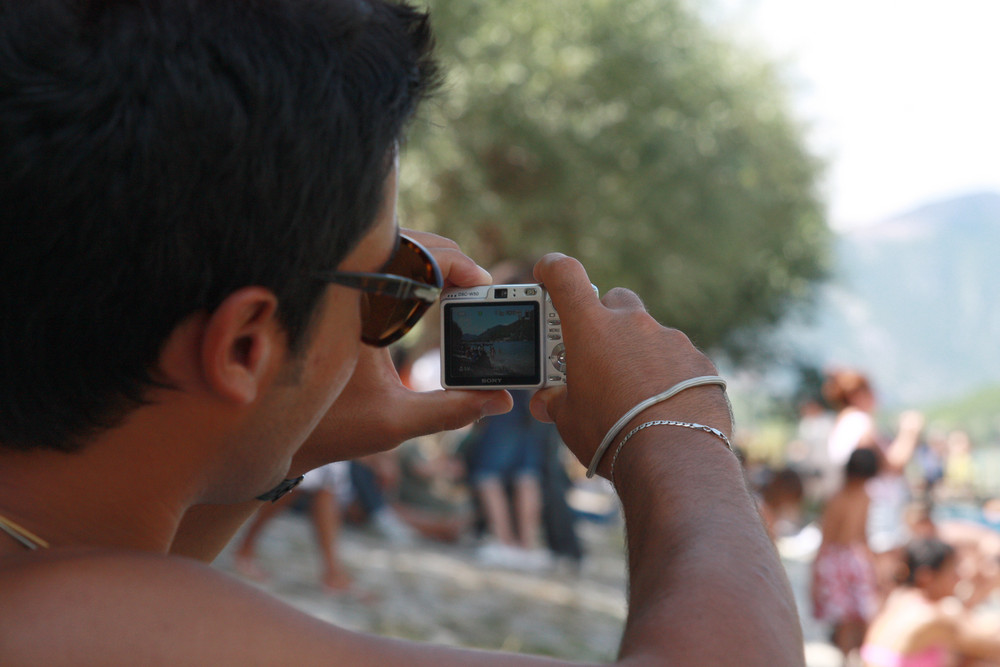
440,593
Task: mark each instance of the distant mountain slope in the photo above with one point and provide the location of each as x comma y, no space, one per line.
915,301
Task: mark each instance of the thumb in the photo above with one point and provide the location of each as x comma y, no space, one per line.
568,285
545,403
446,410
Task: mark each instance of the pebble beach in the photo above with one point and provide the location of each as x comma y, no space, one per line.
441,593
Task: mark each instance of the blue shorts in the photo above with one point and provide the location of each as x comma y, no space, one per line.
510,446
506,459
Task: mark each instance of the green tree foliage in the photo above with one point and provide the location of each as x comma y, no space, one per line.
624,133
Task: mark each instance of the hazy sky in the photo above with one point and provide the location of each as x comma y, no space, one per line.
902,97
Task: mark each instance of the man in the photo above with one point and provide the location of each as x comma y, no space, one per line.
198,229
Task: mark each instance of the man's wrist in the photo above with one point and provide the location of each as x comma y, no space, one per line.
673,463
640,407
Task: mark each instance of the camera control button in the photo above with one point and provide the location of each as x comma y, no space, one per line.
558,358
555,336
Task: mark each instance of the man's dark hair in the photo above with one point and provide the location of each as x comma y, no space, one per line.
156,156
863,464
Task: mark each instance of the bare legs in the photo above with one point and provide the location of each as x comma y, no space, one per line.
848,637
527,510
326,522
244,558
516,545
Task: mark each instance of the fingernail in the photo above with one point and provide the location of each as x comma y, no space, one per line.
494,407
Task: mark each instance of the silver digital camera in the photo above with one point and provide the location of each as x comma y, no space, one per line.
500,337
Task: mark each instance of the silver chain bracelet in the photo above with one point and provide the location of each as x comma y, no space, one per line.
666,422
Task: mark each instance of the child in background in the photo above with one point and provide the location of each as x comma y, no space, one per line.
844,589
922,625
781,502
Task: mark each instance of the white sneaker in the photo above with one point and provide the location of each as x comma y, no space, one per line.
534,560
497,554
391,527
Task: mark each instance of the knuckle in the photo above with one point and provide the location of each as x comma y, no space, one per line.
445,242
623,297
561,269
677,338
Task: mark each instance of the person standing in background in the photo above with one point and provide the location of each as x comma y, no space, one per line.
851,394
843,587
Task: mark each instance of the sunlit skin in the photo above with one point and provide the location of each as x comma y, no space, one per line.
112,588
923,618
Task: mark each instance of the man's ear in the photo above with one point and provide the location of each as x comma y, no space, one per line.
242,343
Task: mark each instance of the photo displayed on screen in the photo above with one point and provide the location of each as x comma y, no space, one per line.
490,343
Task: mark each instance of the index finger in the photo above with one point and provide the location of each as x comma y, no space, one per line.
429,240
457,268
567,283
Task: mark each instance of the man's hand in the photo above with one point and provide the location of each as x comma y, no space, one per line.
617,355
695,538
376,412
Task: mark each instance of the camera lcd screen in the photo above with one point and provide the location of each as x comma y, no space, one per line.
492,344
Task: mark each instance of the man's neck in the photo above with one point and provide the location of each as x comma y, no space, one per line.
107,495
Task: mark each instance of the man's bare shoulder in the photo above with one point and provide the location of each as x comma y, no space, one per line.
118,607
99,572
123,608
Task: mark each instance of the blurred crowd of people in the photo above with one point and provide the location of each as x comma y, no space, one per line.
501,486
897,582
